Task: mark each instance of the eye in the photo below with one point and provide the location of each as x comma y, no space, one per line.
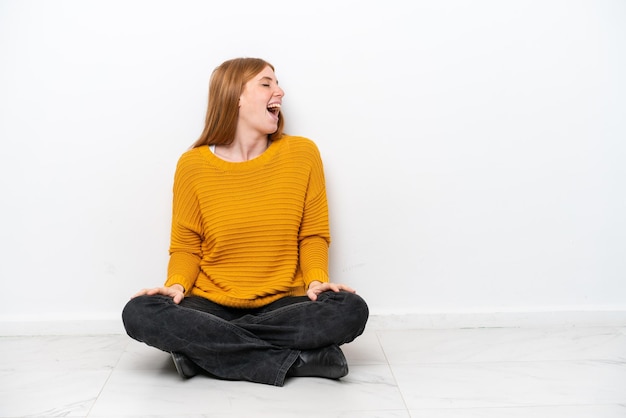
265,85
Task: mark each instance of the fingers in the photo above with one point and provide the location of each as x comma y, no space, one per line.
175,294
337,287
314,291
149,292
140,293
346,288
178,297
157,291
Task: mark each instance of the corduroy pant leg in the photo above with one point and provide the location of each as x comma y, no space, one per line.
257,345
335,318
220,347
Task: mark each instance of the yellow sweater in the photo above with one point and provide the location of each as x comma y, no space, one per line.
246,234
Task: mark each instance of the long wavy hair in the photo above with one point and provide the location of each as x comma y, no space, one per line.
225,87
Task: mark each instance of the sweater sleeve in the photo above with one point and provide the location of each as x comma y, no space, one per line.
314,237
186,235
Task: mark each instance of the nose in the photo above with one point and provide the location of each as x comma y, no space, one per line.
279,92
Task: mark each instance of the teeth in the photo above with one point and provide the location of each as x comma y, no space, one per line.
274,106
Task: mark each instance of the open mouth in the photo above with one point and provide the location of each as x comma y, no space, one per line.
274,108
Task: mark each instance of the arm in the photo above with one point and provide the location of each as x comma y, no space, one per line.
315,236
186,235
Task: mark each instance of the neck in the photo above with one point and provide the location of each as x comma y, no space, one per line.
242,150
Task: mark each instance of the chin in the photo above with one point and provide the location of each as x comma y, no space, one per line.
271,130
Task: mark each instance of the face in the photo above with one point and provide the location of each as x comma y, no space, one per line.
259,104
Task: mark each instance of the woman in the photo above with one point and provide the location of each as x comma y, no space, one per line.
247,295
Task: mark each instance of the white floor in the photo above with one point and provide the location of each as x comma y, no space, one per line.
462,373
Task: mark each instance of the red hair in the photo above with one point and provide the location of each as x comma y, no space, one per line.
225,87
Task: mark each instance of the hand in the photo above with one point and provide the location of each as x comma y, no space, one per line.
175,291
316,288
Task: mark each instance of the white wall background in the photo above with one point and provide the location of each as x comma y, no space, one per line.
475,150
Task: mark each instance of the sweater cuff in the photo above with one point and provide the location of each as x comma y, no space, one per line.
312,275
181,280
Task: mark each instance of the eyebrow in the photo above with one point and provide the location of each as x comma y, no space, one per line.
268,78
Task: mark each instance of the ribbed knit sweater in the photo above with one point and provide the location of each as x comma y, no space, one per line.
248,233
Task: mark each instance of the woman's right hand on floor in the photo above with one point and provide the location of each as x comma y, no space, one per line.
175,291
